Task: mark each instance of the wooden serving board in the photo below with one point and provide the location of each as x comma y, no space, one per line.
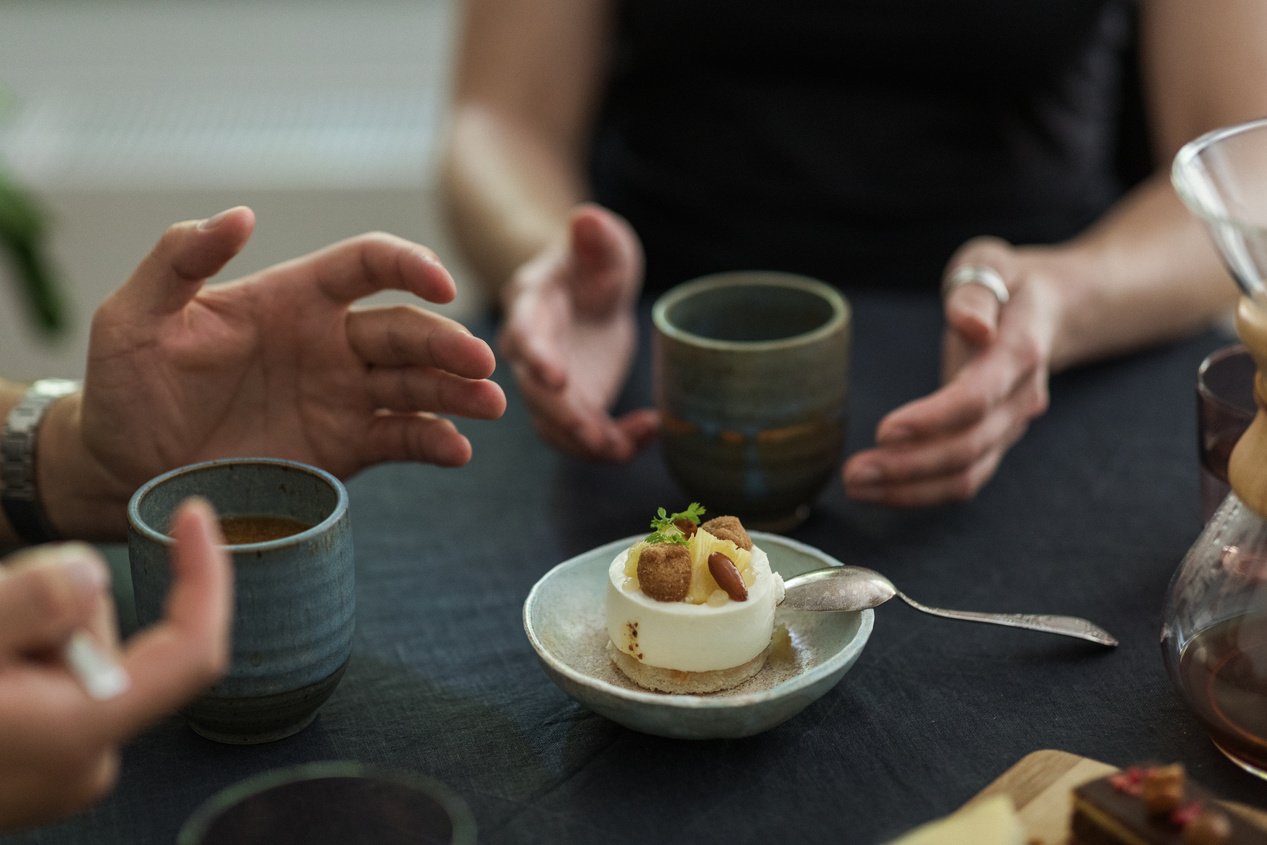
1041,787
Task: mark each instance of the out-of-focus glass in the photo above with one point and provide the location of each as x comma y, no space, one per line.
1222,178
1225,408
327,803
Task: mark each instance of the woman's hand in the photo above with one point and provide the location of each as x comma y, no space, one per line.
59,747
995,366
570,335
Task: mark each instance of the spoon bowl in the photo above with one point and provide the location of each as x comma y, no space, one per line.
858,588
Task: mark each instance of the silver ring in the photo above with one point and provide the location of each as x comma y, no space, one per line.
977,274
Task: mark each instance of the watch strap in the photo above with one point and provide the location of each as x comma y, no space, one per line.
19,488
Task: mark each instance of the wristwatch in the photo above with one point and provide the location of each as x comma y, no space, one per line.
19,490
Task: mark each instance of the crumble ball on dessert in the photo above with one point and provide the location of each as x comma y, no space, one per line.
664,571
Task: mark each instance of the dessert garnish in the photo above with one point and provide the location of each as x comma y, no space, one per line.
684,559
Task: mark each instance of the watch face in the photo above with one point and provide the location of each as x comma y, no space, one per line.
56,386
19,497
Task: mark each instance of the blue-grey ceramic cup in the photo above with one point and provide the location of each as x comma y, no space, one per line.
751,378
294,595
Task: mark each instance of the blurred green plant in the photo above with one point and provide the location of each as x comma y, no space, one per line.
23,239
23,227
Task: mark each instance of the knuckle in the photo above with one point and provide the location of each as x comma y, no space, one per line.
1041,402
1028,353
48,598
983,248
91,778
977,405
104,776
166,250
962,489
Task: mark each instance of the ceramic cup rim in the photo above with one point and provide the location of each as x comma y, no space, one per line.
155,536
838,320
459,812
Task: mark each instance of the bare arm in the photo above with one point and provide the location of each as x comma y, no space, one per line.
1147,271
526,86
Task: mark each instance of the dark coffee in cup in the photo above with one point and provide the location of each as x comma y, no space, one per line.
258,528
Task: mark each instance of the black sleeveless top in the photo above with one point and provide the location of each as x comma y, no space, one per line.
859,141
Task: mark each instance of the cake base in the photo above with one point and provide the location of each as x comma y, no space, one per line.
684,683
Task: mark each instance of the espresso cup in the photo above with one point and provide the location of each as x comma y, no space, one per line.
750,378
288,532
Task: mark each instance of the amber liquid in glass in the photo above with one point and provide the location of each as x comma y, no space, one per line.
259,528
1223,672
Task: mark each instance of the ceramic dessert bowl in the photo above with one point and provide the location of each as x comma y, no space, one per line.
565,623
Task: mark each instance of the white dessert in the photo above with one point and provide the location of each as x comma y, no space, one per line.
705,642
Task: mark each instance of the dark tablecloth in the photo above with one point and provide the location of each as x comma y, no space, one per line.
1089,515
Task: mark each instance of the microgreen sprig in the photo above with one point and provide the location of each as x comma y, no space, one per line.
664,528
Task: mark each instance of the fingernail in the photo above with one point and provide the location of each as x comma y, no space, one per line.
80,562
898,434
215,220
864,475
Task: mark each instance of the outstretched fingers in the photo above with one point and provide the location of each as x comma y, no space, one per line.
418,361
407,336
946,446
185,256
413,389
366,264
417,437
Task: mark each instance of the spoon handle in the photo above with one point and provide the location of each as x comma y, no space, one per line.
1067,626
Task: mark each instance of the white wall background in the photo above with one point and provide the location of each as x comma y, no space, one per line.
123,116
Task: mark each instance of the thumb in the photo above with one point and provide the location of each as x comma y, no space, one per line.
606,256
185,256
972,313
978,280
46,593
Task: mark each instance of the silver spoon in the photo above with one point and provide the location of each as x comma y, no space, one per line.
857,588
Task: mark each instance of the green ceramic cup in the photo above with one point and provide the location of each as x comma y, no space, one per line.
294,593
751,378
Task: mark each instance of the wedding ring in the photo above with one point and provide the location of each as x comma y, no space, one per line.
977,274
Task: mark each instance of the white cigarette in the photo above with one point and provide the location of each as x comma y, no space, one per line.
100,674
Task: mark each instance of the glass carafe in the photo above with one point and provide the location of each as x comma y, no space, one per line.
1214,632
